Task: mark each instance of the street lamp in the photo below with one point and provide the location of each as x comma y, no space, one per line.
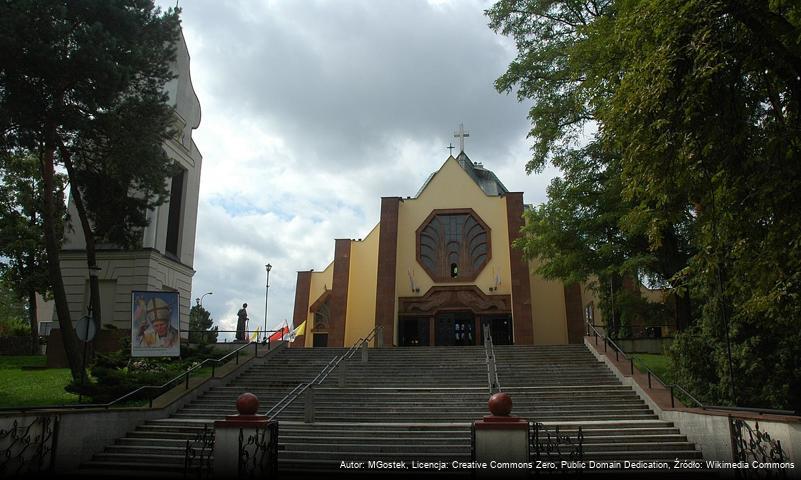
266,294
200,300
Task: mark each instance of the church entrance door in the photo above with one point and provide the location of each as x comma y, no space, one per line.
455,328
413,331
500,329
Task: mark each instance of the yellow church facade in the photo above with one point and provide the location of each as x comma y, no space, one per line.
435,269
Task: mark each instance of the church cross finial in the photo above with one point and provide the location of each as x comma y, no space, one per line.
460,135
450,148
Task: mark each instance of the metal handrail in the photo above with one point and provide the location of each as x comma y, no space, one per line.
296,392
347,355
183,376
486,362
649,372
493,382
495,364
672,386
319,379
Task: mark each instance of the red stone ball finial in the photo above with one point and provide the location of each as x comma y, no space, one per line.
500,404
247,404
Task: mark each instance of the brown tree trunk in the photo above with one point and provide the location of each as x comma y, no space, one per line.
34,322
52,247
91,254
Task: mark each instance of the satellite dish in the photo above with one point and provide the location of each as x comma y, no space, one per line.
85,329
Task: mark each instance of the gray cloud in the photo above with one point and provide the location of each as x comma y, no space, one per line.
313,110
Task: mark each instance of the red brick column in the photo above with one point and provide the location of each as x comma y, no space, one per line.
301,313
339,293
387,266
574,313
521,281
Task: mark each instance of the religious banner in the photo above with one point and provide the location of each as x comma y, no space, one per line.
155,324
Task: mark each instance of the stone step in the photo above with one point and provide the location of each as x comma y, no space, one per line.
410,400
523,399
337,457
593,448
332,402
151,462
478,409
149,451
638,455
132,467
435,418
373,448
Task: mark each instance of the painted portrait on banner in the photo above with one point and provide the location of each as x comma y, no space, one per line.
155,324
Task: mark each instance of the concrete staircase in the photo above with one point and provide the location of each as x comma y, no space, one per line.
566,386
412,404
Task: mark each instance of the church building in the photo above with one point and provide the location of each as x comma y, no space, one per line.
436,268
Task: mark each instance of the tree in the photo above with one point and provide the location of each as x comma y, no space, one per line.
21,241
74,78
12,312
587,229
712,97
200,322
697,106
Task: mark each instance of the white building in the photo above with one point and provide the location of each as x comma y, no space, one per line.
168,244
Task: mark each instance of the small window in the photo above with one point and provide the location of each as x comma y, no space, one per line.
454,270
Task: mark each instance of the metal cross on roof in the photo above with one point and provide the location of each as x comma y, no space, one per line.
460,135
450,148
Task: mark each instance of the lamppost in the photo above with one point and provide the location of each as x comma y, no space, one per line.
200,300
266,294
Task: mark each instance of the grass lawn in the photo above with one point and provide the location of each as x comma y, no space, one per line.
32,387
659,364
46,387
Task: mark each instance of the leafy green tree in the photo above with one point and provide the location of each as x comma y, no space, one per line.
12,311
708,115
201,330
587,229
22,249
696,111
81,86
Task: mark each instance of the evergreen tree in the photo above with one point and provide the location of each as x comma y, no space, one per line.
200,326
76,80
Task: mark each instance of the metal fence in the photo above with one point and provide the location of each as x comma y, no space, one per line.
28,445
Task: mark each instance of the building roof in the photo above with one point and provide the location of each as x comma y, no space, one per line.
484,178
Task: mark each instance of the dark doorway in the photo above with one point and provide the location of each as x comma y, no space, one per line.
320,340
413,331
500,329
457,328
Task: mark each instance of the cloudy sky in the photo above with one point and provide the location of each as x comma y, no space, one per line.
313,110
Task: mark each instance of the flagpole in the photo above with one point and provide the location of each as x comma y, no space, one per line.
266,294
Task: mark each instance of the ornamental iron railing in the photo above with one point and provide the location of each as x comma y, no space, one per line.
549,448
258,452
28,448
752,445
198,454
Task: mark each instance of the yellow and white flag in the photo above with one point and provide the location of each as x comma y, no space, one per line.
299,330
255,336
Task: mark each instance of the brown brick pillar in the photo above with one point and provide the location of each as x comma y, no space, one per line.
521,281
301,313
387,266
574,313
339,293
